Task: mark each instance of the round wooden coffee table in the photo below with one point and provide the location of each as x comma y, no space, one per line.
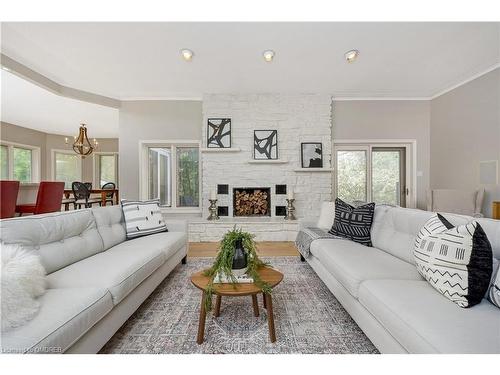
270,276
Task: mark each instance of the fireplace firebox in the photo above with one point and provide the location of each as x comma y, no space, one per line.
252,201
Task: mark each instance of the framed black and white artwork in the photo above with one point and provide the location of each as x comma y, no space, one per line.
265,144
219,133
312,155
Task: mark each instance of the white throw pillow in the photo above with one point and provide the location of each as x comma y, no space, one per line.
23,279
326,216
143,218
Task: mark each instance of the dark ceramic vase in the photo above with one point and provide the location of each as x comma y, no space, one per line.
240,256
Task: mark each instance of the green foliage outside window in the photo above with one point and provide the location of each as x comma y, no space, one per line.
68,168
385,177
351,175
187,177
4,162
352,178
22,164
107,169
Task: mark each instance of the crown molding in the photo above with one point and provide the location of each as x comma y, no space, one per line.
465,81
40,80
378,98
194,98
423,98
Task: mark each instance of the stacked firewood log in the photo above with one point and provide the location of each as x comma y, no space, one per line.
251,203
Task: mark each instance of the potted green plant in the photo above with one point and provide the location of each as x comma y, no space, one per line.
237,251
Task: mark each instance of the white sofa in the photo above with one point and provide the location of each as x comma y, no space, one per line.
96,278
396,308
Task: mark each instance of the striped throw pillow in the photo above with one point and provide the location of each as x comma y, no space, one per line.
352,222
143,218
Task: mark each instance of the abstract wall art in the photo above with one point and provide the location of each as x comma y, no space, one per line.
265,144
219,133
312,155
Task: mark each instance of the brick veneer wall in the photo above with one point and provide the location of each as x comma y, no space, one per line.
298,118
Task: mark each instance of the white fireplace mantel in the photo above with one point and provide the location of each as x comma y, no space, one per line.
232,149
267,161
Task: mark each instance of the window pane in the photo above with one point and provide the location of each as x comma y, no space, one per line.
22,164
351,175
159,175
68,169
4,162
386,177
187,177
107,169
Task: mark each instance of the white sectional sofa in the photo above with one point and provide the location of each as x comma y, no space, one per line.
396,308
96,278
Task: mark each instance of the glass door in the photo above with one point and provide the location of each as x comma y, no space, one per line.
368,173
352,175
389,175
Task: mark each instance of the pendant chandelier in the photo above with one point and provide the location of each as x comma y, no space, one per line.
82,145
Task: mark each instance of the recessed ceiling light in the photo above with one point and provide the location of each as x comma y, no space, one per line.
268,55
351,55
5,68
187,54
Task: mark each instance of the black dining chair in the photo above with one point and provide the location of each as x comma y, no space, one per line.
109,196
92,196
82,195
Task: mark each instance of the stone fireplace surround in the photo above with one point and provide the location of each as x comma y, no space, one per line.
297,118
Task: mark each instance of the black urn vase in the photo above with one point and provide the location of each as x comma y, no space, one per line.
240,261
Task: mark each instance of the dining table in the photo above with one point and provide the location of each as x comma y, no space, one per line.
102,192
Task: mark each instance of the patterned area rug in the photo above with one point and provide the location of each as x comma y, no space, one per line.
308,318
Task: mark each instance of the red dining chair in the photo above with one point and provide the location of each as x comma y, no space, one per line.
8,198
48,199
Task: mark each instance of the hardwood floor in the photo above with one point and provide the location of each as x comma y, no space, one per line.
265,249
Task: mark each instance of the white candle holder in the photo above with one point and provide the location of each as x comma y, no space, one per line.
213,210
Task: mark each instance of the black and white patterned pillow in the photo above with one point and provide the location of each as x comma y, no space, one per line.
352,222
456,261
143,218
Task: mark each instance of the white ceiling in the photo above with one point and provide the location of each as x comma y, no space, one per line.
28,105
142,60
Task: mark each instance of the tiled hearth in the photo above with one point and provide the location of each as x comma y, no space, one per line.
265,229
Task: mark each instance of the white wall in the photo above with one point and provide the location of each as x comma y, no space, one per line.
388,119
146,120
465,129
